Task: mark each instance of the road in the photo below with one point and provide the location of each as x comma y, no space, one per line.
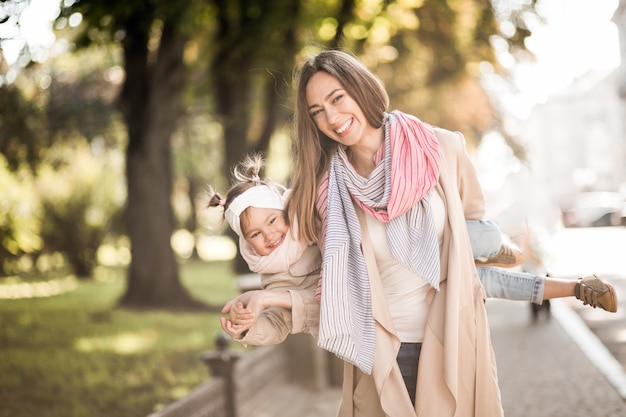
581,251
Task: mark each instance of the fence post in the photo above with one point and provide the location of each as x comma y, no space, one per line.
221,364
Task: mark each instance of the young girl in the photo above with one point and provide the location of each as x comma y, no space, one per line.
254,209
289,269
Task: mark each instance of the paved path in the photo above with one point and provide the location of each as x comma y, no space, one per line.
543,371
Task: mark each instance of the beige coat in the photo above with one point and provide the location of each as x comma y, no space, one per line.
457,368
276,323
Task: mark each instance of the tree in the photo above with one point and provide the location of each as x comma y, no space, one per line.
153,38
250,47
250,76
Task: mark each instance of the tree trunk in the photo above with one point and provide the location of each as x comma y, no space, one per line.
236,66
151,104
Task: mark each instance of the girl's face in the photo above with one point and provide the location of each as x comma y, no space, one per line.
264,229
334,112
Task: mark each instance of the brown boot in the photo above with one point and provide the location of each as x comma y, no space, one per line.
507,257
596,292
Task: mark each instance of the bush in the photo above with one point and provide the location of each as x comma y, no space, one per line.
82,196
19,217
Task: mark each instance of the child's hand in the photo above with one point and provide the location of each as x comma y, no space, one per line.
251,300
240,318
240,315
234,331
247,307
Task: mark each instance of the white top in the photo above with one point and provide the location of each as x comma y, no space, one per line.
405,291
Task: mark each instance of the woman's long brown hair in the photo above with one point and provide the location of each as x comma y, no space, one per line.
313,148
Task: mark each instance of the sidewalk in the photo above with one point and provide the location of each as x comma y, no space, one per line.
542,371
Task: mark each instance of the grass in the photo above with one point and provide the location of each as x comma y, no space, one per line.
75,354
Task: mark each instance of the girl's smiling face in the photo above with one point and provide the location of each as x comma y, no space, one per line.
264,229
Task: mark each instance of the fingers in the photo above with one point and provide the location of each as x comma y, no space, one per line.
233,330
226,308
241,316
234,303
241,313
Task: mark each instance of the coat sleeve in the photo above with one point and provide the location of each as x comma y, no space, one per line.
305,311
470,190
276,323
271,328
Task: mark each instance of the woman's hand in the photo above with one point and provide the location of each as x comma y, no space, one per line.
247,307
235,331
239,321
242,312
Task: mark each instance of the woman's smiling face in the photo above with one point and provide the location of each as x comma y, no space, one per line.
264,229
334,112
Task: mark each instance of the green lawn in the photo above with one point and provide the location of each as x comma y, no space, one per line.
76,355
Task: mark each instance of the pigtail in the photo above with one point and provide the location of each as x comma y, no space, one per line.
214,199
247,174
249,170
244,176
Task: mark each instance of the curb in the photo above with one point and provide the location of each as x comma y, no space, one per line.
591,345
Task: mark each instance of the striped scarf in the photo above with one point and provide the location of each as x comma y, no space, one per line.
396,193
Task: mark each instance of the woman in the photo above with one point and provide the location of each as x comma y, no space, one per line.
414,297
289,269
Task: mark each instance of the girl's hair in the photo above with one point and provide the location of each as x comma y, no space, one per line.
313,148
245,175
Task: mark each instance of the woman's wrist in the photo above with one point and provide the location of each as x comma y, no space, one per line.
273,298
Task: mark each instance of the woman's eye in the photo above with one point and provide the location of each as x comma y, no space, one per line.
315,113
337,98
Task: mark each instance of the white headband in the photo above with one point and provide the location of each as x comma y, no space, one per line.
260,196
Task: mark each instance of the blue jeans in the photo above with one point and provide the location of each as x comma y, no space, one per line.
511,285
486,239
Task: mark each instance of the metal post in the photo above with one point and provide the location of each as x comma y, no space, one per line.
221,364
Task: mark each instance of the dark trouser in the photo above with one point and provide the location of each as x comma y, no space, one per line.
408,358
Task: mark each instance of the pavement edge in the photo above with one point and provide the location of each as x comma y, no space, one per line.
590,344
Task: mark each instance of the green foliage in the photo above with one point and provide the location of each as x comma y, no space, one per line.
76,355
82,195
233,60
22,131
19,216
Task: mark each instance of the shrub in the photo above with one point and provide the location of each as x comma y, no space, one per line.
82,194
19,217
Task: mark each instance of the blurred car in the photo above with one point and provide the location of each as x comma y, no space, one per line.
593,209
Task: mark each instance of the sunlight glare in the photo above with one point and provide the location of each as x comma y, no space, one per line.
123,343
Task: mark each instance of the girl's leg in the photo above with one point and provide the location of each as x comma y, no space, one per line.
559,287
488,248
592,290
512,285
485,238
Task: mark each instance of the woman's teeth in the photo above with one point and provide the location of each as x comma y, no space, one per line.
345,127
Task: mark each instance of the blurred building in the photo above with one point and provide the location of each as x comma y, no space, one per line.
575,141
577,138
